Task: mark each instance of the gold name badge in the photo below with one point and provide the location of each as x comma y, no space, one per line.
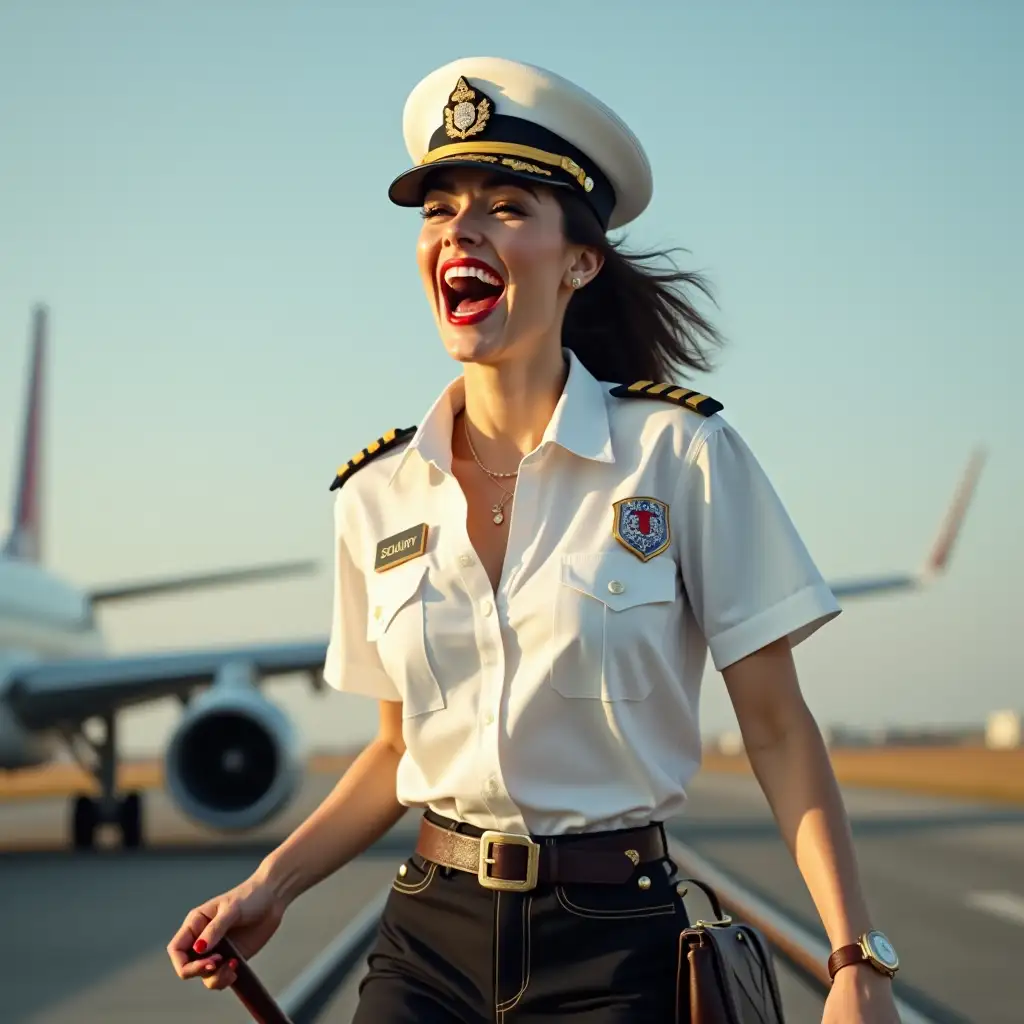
400,548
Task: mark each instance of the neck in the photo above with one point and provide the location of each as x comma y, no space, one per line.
509,405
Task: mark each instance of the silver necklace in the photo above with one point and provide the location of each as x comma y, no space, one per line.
498,508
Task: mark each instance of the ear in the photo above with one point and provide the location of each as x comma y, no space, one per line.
585,266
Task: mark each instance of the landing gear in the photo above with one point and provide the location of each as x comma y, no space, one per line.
87,813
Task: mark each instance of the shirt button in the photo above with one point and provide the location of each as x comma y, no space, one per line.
488,719
616,587
487,656
465,560
487,608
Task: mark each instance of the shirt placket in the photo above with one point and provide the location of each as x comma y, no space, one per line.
490,618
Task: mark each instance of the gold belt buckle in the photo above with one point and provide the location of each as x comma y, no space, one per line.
491,839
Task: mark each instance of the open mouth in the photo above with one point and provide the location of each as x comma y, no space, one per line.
471,289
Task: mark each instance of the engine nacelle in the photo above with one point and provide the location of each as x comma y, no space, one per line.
235,759
20,747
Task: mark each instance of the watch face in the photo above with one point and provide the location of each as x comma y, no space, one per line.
882,948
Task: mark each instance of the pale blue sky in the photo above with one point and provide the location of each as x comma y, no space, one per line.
198,192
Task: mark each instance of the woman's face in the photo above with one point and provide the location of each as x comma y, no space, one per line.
495,264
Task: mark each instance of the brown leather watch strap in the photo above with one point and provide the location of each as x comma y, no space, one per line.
609,858
845,956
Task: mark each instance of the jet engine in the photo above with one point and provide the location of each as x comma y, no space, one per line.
235,758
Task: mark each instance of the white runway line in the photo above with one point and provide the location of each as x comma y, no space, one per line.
1002,904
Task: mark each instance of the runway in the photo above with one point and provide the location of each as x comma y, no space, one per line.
924,862
945,880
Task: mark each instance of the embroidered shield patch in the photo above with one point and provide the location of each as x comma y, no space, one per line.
641,525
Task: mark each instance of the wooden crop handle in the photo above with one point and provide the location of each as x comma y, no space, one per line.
250,991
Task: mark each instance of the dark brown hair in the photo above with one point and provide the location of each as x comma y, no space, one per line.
634,320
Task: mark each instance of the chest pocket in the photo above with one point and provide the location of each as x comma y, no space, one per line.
616,625
395,622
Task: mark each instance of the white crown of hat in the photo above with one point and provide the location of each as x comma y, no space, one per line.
549,100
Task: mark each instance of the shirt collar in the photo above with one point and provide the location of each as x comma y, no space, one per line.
579,423
580,420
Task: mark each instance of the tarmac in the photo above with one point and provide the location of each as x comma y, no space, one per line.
84,934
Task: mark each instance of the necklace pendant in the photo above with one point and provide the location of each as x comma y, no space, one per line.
499,518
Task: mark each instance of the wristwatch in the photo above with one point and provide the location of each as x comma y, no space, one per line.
872,948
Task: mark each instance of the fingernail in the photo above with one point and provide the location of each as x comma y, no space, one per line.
232,963
211,967
200,946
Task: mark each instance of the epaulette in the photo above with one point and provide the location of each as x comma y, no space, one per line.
371,451
694,400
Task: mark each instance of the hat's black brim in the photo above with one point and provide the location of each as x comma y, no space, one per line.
408,188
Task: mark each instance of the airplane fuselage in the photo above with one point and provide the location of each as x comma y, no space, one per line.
42,617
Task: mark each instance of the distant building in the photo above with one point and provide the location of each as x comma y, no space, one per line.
730,743
1003,730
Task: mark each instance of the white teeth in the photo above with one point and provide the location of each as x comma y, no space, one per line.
484,275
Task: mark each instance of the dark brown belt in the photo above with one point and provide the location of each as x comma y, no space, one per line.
514,863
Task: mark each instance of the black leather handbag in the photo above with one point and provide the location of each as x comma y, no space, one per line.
725,972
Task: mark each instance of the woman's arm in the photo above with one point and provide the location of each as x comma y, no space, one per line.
359,810
789,758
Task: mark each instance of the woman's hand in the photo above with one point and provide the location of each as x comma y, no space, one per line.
860,995
249,914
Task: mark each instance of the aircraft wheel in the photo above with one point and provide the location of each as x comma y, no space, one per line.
130,814
84,819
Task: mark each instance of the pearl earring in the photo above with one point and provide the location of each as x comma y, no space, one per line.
576,282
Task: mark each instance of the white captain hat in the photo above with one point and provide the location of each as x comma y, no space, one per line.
526,122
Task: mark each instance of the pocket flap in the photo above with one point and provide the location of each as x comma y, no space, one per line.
620,580
388,592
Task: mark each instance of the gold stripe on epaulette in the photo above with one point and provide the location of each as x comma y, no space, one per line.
703,404
371,451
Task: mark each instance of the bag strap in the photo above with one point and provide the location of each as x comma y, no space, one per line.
716,906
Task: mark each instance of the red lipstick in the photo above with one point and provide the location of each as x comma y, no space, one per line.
472,293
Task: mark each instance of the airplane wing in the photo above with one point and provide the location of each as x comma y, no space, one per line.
45,695
48,694
938,556
147,588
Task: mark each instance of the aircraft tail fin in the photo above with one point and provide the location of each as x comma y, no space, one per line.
25,541
939,553
949,531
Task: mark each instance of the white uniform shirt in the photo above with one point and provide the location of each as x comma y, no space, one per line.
567,701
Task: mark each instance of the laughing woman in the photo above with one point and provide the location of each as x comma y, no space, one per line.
530,582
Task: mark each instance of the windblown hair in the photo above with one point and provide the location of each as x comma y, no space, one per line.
634,321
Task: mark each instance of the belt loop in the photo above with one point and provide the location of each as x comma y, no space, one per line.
673,867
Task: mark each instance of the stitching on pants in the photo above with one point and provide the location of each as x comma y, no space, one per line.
577,911
679,980
414,887
497,955
502,1008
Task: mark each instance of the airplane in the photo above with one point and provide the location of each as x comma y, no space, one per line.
233,759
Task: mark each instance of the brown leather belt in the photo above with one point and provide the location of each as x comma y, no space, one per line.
514,863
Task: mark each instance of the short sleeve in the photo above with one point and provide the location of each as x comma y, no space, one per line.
749,578
352,664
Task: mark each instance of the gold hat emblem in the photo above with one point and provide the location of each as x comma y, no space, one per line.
463,117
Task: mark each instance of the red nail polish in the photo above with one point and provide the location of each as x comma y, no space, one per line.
232,963
200,946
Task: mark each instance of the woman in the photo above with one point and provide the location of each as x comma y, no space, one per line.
529,584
